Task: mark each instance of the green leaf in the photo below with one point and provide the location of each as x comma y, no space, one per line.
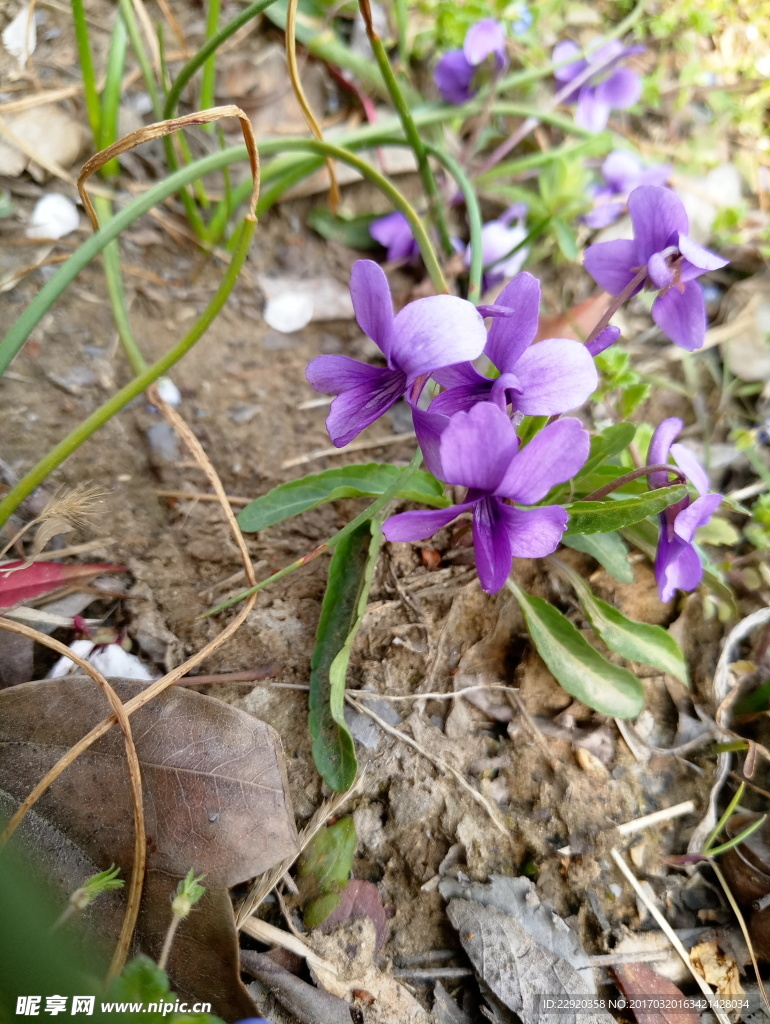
324,869
566,239
637,641
607,516
633,397
609,550
606,445
350,576
719,533
351,231
371,480
575,664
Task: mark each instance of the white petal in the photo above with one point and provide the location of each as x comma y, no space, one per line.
54,216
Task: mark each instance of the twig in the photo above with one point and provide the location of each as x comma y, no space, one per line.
628,828
443,766
135,780
272,936
197,496
355,446
671,935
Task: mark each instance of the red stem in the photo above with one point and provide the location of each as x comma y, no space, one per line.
633,475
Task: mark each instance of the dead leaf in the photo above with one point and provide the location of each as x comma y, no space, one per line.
215,800
307,1003
576,323
638,980
520,948
718,969
41,578
360,899
16,655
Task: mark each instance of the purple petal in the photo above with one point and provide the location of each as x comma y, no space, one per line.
394,233
332,375
605,212
434,332
702,259
459,375
495,310
658,217
658,175
453,76
492,544
592,112
659,271
603,340
677,566
359,406
621,170
373,306
551,457
697,514
682,315
429,426
508,338
477,447
691,468
461,398
555,375
410,526
484,38
612,264
621,90
534,532
663,437
567,51
497,241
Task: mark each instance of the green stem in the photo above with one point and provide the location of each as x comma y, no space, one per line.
335,538
112,91
210,65
474,219
140,51
208,49
113,405
114,278
410,131
728,813
401,14
93,106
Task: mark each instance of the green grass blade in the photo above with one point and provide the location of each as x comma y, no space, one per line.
608,516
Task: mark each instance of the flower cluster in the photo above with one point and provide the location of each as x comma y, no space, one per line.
457,70
601,85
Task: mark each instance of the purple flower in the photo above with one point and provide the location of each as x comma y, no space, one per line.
394,233
677,563
623,172
456,70
426,335
537,380
498,238
609,88
479,450
673,261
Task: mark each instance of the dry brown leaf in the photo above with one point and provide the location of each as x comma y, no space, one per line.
637,981
576,323
215,800
719,969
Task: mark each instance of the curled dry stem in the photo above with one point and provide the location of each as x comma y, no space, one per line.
158,131
120,715
296,84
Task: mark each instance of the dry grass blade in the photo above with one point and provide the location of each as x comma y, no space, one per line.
296,84
267,882
134,894
150,35
157,131
671,935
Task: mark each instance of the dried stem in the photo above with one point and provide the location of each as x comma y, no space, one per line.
120,715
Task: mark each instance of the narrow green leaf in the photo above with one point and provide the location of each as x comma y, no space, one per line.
324,869
350,576
350,231
566,239
575,664
637,641
609,550
371,480
610,442
607,516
